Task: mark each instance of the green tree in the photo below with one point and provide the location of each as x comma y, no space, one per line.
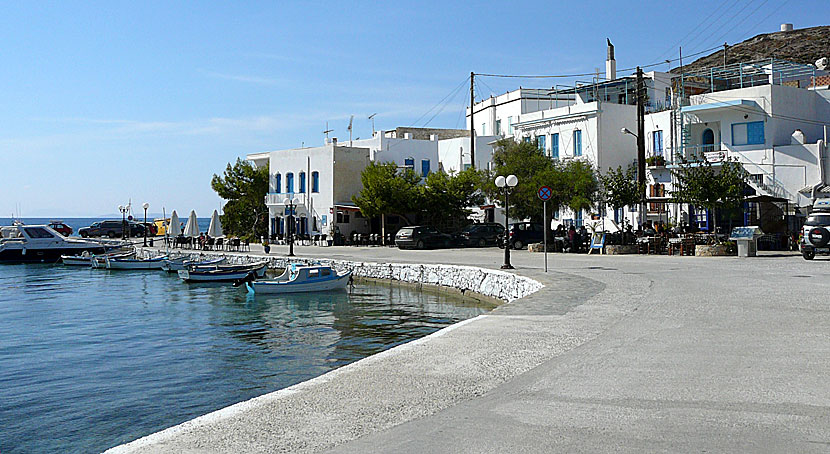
244,188
621,188
532,167
446,198
714,188
386,190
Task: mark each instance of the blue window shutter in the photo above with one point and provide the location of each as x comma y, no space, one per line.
658,143
315,182
278,183
302,182
542,144
425,167
755,133
554,146
577,143
289,183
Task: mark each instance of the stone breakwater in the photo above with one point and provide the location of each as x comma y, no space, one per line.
490,283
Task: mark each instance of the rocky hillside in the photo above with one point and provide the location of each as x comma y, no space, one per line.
804,45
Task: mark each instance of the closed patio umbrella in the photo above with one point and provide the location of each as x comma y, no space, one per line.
191,229
215,229
175,227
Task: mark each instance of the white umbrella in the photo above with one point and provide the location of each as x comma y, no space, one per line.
215,229
191,229
175,227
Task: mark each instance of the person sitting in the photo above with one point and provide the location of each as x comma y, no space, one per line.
572,238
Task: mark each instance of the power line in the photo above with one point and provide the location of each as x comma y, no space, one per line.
742,20
451,93
444,106
671,49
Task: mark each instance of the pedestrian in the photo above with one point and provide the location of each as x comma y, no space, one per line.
572,238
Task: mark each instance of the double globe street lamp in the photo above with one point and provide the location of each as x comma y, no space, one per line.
124,230
505,184
290,205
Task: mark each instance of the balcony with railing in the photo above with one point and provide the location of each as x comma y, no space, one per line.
276,198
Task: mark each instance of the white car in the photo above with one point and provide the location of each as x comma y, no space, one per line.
816,231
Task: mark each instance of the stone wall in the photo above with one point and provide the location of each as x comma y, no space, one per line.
490,283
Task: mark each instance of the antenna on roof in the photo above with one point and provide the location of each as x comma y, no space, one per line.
351,120
372,117
327,131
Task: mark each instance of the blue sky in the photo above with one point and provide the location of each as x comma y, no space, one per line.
109,101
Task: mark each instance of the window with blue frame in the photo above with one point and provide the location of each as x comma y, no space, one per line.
278,183
315,181
578,218
540,142
302,182
289,182
425,167
409,162
577,143
751,133
554,146
526,139
658,143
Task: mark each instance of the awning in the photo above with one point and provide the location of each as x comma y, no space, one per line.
346,207
765,198
730,104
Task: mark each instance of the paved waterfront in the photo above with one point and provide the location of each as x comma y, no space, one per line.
616,353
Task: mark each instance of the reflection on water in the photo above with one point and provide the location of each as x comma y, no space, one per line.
91,358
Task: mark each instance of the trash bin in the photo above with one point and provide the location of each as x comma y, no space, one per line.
747,239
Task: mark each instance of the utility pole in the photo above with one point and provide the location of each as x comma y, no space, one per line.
641,141
472,125
725,46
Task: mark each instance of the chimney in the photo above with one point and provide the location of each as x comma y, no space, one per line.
433,137
407,135
610,63
786,27
334,141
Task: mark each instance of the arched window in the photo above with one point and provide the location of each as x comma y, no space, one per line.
278,183
289,182
315,181
302,182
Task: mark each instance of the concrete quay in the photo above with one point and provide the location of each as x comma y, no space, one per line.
615,353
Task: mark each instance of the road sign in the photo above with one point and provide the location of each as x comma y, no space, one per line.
544,193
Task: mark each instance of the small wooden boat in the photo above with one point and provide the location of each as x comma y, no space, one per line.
315,278
181,263
222,273
154,263
86,259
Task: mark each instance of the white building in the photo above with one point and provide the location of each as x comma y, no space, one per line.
325,179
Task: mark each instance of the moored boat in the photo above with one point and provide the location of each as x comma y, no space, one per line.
87,259
297,279
181,263
222,273
154,263
42,244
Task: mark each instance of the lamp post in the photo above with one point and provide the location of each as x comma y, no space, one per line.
123,211
145,206
505,184
291,204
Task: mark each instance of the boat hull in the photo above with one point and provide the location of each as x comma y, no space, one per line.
51,255
279,287
191,275
78,260
175,265
131,264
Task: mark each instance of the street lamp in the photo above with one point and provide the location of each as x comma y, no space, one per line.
505,184
123,211
291,204
627,131
145,206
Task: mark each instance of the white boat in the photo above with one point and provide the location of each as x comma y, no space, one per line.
154,263
86,259
316,278
42,244
223,273
181,263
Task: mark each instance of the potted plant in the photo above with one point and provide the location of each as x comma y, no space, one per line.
656,161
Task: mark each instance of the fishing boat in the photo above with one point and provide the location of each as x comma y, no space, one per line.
222,273
154,263
295,279
42,244
182,263
85,259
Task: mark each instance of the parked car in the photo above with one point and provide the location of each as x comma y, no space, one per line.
61,228
421,237
112,229
816,231
481,234
522,234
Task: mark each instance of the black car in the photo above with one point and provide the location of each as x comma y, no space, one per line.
522,234
112,229
421,237
481,234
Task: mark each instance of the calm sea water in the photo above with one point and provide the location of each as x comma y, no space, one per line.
90,359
